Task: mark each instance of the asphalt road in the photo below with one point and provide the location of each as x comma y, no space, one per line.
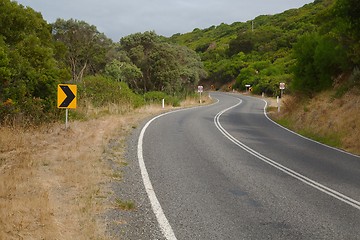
225,171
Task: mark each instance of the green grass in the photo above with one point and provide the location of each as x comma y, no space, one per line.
116,175
284,122
124,205
333,140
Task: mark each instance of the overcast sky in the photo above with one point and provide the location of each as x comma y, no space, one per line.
119,18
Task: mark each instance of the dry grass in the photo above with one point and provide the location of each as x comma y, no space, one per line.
53,182
335,120
50,179
189,102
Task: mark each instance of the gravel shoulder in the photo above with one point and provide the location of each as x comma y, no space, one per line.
140,221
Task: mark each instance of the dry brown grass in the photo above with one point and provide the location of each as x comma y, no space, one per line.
189,102
53,182
50,179
327,117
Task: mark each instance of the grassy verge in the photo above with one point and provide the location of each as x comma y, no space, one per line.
330,139
334,122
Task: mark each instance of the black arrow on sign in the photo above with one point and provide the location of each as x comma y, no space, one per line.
69,96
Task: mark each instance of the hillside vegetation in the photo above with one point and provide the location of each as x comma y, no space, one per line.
306,48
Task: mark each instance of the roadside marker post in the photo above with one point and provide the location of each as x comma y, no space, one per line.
200,90
66,98
282,87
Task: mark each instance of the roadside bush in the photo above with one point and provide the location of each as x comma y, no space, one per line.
101,90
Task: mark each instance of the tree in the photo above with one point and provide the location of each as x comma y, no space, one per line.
165,67
349,11
28,71
348,26
243,43
124,72
318,59
86,47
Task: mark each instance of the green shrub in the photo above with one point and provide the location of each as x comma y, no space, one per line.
101,91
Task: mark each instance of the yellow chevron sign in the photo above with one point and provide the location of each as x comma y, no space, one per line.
66,96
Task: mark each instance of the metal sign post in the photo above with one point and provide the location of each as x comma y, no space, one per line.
66,118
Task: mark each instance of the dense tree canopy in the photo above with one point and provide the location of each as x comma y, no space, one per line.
165,67
28,71
348,26
86,48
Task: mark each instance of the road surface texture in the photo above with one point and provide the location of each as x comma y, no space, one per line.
225,171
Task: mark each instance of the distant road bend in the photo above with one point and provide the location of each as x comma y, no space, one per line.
226,171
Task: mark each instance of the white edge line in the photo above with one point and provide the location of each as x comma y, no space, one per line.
164,224
304,179
155,205
334,148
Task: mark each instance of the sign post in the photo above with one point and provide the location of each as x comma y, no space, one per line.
200,90
66,98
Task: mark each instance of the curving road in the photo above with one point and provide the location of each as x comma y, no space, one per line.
225,171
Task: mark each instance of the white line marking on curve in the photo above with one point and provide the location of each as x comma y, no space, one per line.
155,205
302,178
164,224
309,139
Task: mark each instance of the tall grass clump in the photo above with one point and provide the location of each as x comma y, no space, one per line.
157,97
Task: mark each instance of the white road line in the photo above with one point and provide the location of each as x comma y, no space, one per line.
155,205
302,178
309,139
164,224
